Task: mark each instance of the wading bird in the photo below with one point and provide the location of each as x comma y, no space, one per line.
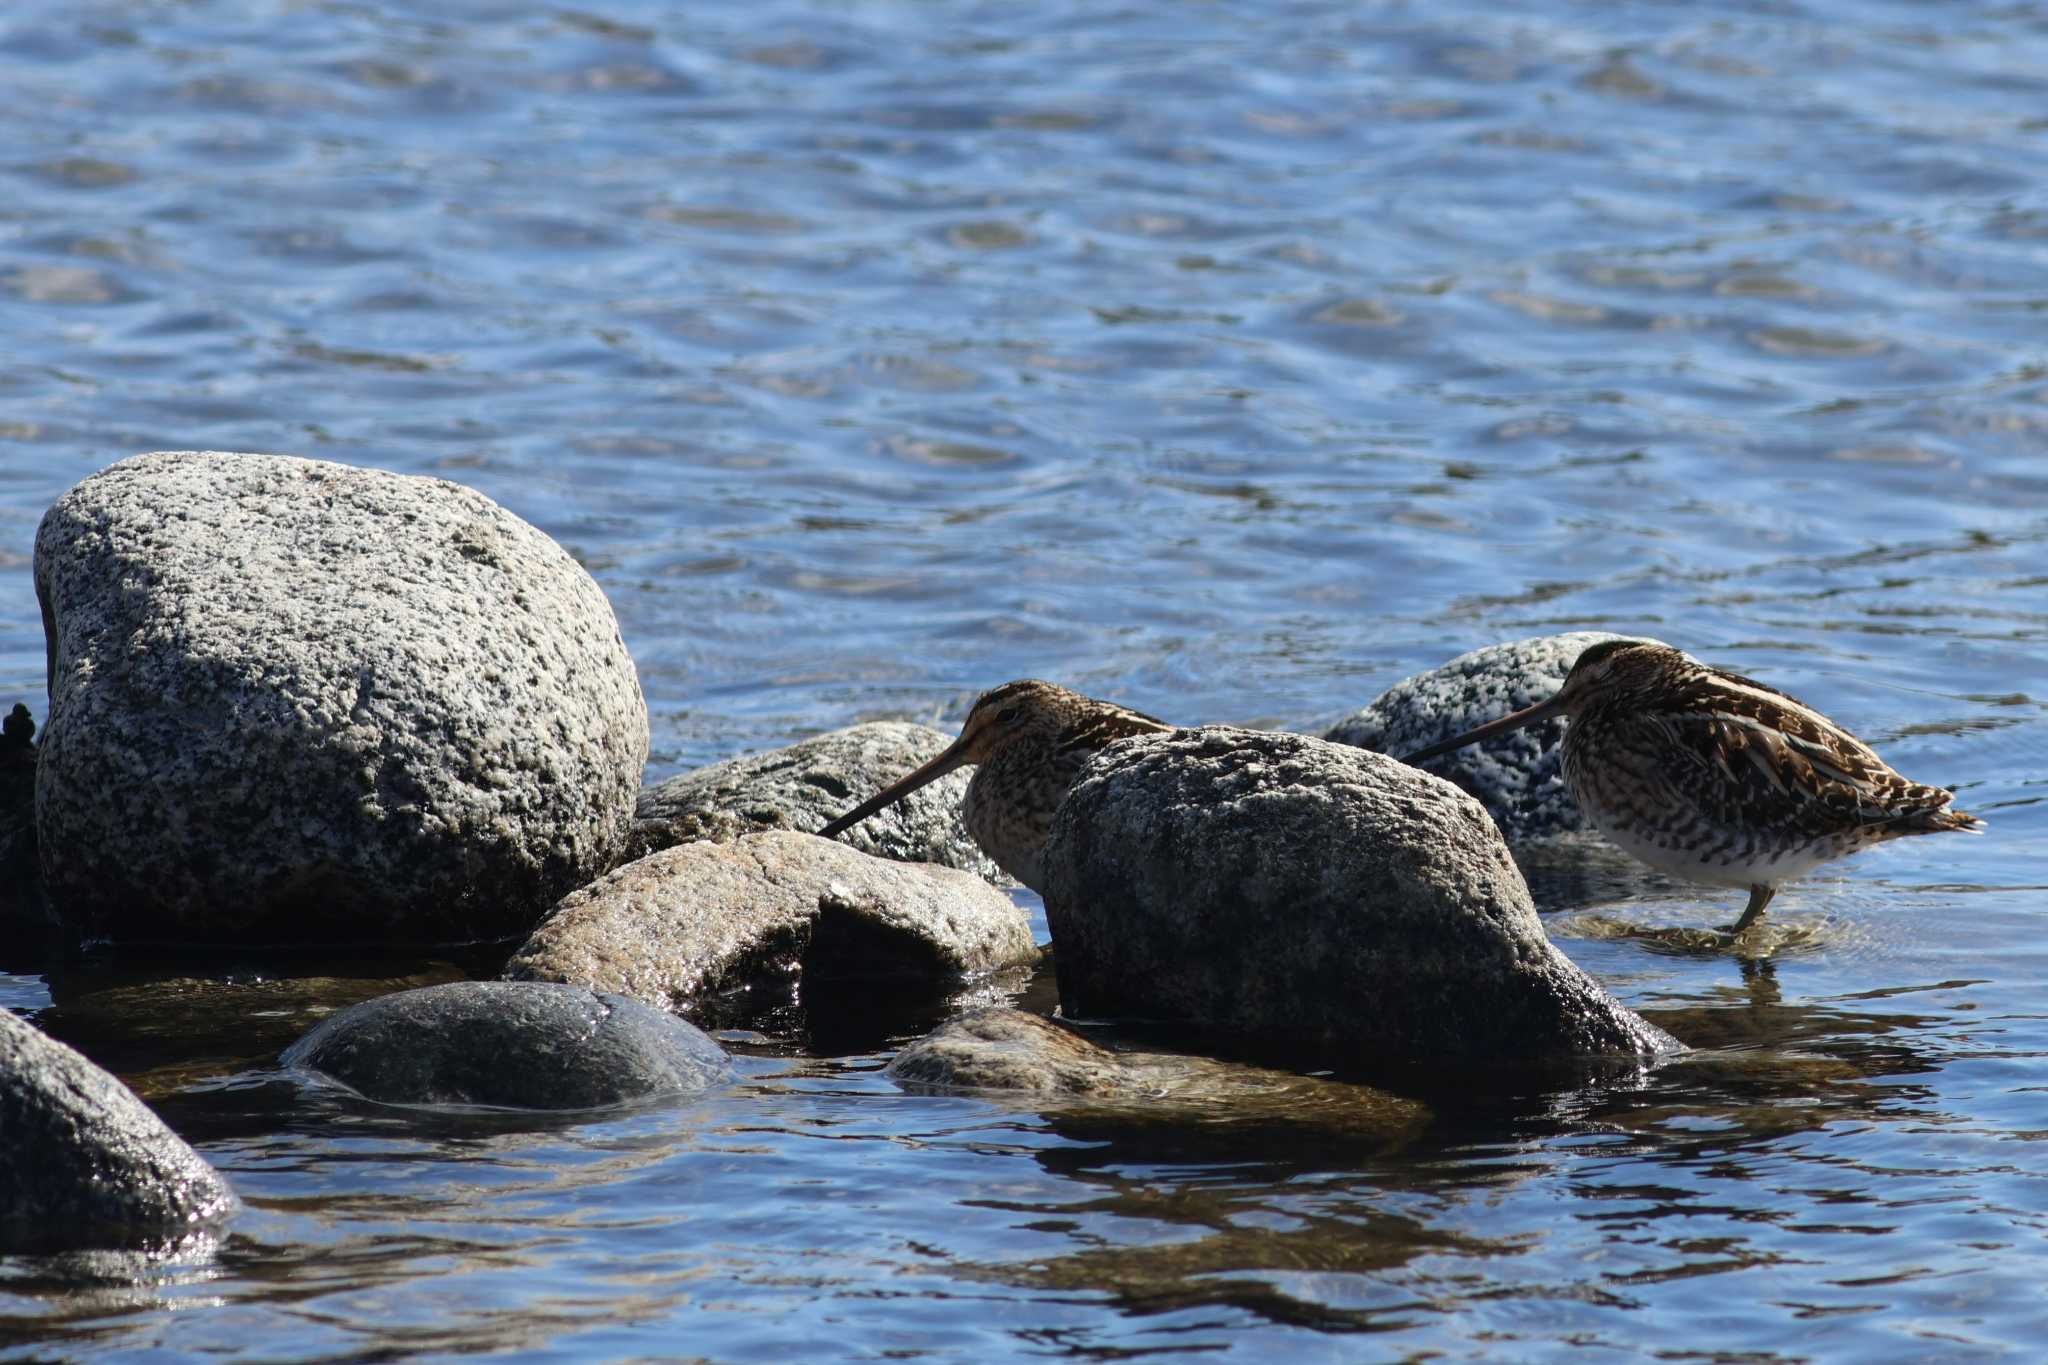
1714,777
1030,740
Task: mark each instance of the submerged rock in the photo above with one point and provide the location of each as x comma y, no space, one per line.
1008,1049
297,701
1040,1061
1519,777
804,786
87,1164
702,918
512,1045
1303,894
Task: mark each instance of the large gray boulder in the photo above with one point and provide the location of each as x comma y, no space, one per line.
512,1045
84,1162
703,918
293,700
1304,894
1519,778
806,785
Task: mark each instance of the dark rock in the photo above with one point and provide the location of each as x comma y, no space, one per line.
1519,778
804,786
1304,894
510,1045
21,898
703,918
87,1164
296,701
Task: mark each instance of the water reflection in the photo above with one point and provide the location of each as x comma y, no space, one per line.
1256,1216
79,1288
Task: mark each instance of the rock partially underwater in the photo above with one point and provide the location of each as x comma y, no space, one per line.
298,701
1519,777
1300,894
805,785
512,1045
1029,1056
85,1164
703,918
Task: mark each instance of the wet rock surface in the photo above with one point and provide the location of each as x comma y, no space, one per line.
84,1162
806,785
298,701
703,918
1519,778
514,1045
1008,1049
1305,894
1027,1054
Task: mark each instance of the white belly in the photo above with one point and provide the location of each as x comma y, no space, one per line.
1679,857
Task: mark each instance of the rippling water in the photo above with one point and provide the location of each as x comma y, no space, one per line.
1231,362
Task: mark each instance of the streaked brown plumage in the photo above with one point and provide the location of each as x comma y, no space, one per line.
1715,777
1030,740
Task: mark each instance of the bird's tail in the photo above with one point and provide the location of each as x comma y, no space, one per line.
1936,821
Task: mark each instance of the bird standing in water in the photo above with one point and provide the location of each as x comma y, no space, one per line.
1714,777
1030,739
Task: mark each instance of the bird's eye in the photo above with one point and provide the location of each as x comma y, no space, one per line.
1007,716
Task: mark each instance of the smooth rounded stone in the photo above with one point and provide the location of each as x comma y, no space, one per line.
703,918
298,701
510,1045
1012,1050
808,784
1519,778
85,1163
1304,894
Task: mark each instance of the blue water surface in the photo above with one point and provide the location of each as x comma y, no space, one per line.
1233,362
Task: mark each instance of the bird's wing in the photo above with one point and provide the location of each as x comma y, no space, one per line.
1788,768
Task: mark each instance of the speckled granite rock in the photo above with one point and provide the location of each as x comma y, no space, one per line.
1311,894
1519,778
292,700
804,786
85,1163
510,1044
702,918
1029,1055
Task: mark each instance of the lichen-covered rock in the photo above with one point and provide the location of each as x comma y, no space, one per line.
1309,894
1029,1055
84,1163
1519,777
293,700
510,1045
806,785
702,918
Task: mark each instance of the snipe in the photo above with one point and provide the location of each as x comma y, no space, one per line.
1714,777
1030,740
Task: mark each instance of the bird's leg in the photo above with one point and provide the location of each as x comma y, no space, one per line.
1759,897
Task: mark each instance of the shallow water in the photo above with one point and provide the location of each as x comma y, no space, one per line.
1233,364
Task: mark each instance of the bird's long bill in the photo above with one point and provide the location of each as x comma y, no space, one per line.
1514,720
950,758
